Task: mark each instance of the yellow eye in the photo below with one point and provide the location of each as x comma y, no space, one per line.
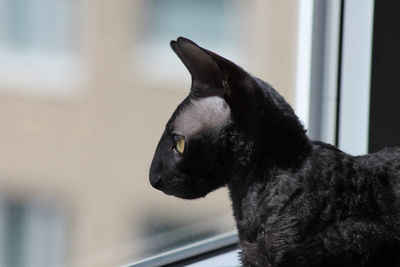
179,143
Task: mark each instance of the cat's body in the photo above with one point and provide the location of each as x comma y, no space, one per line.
296,202
334,210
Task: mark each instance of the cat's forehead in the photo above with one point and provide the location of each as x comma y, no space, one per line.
201,115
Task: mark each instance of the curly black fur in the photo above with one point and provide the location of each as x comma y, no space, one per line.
296,202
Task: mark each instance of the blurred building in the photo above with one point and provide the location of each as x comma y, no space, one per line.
86,88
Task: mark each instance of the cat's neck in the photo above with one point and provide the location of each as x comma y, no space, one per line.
273,140
252,198
244,191
259,177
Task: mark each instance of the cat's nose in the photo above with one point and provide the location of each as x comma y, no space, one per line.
155,181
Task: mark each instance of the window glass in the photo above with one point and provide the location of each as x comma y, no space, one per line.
86,88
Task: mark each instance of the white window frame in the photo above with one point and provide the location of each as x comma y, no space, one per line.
334,74
356,76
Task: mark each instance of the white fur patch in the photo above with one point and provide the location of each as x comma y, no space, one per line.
201,115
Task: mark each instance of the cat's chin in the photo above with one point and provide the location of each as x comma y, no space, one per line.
185,195
189,197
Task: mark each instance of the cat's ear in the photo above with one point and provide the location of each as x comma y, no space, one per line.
207,79
214,75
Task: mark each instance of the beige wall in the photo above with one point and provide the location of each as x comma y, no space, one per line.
91,154
275,44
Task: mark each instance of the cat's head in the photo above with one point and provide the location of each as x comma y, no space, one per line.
194,152
214,130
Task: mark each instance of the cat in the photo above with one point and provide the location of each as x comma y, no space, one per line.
296,202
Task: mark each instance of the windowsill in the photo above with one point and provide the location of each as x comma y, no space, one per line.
204,253
226,259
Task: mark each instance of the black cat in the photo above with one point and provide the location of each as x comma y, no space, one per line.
296,202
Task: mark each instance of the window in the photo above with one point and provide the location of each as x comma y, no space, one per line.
213,23
33,233
38,41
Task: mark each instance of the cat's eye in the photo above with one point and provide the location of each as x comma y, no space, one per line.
179,143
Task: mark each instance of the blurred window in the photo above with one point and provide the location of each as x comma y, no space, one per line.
32,233
212,23
37,44
93,155
31,25
186,17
